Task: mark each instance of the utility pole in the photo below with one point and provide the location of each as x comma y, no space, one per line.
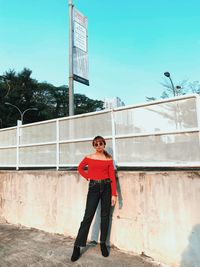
71,82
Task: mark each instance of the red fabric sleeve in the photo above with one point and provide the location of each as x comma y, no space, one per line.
81,167
113,179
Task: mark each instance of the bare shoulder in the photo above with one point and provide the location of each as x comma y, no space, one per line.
91,156
109,158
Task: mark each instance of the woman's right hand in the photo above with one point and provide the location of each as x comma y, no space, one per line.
113,200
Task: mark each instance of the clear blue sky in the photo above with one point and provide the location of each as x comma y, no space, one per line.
131,43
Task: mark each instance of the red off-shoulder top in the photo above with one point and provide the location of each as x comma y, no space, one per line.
98,170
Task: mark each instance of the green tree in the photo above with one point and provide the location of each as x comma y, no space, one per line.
83,103
17,89
21,90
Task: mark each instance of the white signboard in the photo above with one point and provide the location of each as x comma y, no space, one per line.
80,37
80,50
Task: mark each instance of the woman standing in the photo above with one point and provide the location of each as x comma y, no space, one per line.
102,186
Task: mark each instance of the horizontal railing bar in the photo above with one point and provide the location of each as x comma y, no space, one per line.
7,147
7,165
62,142
119,164
86,114
68,165
38,123
65,118
110,137
8,129
38,144
160,164
192,130
156,102
37,165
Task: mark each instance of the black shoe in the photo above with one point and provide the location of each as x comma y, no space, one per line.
104,250
76,254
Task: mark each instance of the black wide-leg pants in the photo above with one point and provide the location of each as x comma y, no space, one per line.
98,190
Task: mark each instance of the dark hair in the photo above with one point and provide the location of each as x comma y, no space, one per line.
99,138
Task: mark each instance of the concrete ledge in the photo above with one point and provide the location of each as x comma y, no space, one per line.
157,211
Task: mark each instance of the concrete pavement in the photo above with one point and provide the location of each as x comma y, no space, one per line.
24,247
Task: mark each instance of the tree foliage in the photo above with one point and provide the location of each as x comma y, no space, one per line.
183,87
21,90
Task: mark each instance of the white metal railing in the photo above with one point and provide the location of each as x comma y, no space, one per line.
158,133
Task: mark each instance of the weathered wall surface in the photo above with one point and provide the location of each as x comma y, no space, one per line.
157,212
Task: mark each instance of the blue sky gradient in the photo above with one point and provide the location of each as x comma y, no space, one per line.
131,44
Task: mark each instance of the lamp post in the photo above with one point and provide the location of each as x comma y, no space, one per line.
167,74
177,108
21,113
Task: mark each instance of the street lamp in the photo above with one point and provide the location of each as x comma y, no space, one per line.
167,74
21,113
178,87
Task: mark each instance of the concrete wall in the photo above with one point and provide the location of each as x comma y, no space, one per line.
157,213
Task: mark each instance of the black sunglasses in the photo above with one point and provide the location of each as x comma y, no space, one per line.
98,144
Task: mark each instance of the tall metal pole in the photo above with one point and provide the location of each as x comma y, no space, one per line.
71,82
167,74
173,88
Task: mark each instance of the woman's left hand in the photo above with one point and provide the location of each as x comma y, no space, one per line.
113,200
